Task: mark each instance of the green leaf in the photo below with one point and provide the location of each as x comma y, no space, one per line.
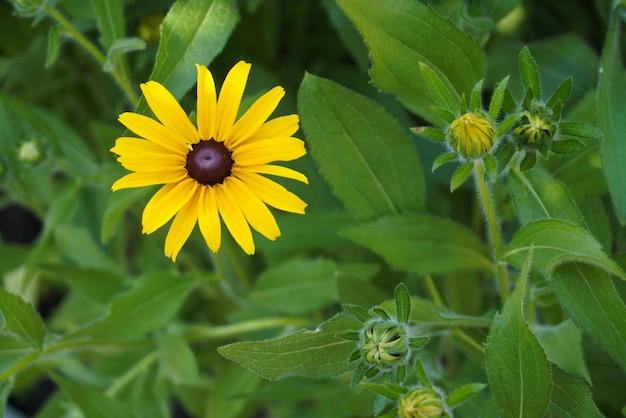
491,167
422,244
556,242
508,123
537,195
562,345
54,41
321,353
152,302
119,48
611,111
5,391
116,206
428,132
461,175
99,285
497,98
193,32
403,303
443,95
570,398
518,370
530,73
464,393
229,399
76,244
577,129
21,319
367,158
560,96
443,159
110,18
12,349
402,33
91,400
358,312
567,146
356,290
177,360
589,297
387,390
296,287
475,103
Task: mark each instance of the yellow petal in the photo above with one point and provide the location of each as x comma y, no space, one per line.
169,112
275,170
153,163
257,214
208,218
182,226
152,130
233,217
148,179
130,145
268,150
165,203
206,103
282,126
272,193
230,98
254,117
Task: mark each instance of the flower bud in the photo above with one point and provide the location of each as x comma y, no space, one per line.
421,403
537,132
149,28
29,152
384,344
471,135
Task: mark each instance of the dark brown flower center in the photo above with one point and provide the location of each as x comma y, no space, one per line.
209,162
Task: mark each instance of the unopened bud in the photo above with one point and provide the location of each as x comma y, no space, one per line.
384,344
29,152
471,135
421,403
537,131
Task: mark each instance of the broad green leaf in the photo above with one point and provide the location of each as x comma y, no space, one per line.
589,297
321,353
356,290
21,319
12,349
570,397
348,33
99,285
91,400
227,399
518,370
193,32
367,158
422,244
5,391
152,302
402,33
117,205
562,345
177,360
110,18
611,110
441,92
556,242
76,244
296,287
537,195
581,172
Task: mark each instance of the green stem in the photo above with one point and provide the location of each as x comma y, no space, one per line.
200,333
119,77
493,227
432,291
119,383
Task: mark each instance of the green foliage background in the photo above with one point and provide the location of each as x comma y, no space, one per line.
93,310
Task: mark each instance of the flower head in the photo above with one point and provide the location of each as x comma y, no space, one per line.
421,403
471,135
384,344
215,169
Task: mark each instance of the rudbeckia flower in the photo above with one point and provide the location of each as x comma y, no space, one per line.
215,169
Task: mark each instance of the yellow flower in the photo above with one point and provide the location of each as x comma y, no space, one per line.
471,135
215,169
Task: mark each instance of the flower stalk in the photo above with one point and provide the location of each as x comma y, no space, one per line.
493,227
